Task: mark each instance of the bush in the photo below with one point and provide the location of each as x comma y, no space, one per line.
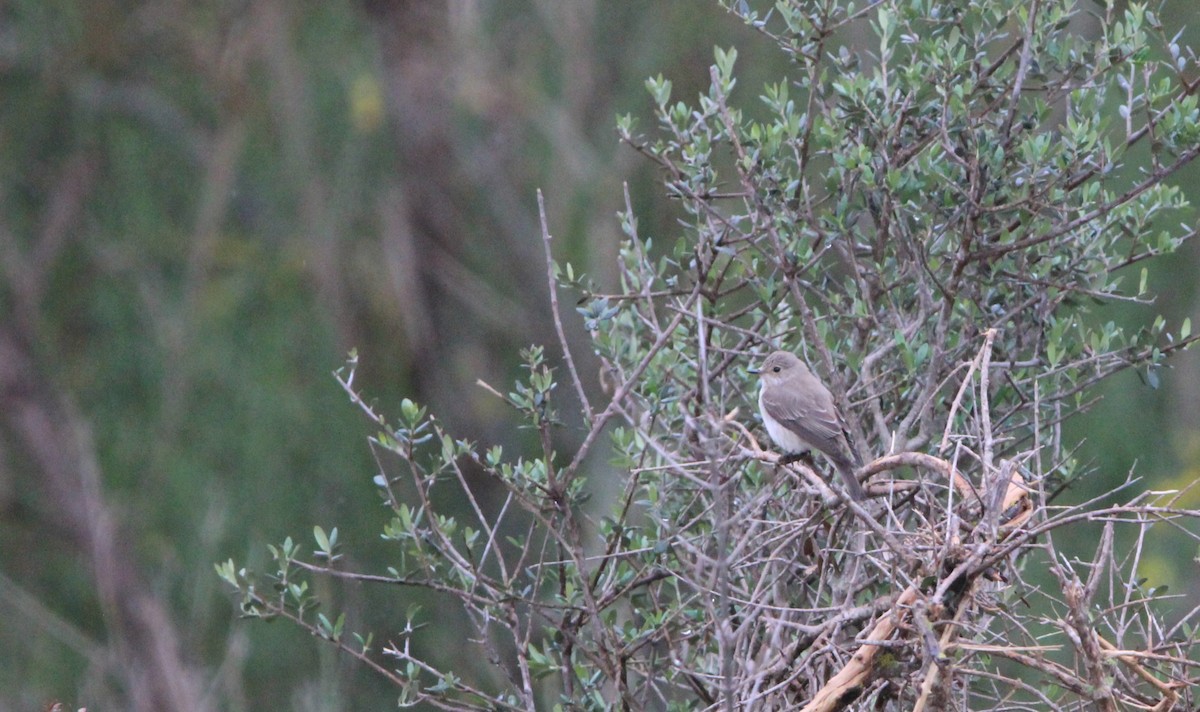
929,207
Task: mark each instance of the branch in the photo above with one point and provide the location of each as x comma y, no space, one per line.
557,316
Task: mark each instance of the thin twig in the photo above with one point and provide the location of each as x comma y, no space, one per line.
557,316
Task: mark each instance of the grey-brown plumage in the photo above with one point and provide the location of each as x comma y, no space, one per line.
799,414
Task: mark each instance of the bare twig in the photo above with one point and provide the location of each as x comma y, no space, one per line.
557,316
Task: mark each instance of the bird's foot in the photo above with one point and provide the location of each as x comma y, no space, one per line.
805,457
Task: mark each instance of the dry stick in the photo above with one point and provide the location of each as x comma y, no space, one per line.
1099,689
1037,438
491,541
726,637
360,655
1063,676
1103,554
859,511
985,400
1014,493
929,462
954,406
934,673
479,516
855,673
1022,71
1140,514
835,693
558,326
1017,506
1129,657
702,347
527,675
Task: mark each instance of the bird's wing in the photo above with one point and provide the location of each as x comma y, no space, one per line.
812,419
815,420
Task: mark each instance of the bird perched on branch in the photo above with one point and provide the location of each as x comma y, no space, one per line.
800,415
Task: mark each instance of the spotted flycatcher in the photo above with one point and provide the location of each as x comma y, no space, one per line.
800,415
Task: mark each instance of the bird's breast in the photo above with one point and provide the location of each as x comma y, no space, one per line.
784,438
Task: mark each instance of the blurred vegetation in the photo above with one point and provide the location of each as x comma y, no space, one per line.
204,206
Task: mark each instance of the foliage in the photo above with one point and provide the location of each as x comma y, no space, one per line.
932,222
203,206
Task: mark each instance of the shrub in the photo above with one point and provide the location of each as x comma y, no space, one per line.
929,207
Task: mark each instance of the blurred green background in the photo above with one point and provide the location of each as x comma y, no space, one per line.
205,206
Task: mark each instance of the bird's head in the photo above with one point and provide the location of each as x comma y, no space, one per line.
779,367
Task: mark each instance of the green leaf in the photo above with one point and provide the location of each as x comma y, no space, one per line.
227,572
322,540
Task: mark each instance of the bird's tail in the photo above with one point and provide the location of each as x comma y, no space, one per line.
846,469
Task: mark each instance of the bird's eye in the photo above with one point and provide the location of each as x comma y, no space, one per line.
776,369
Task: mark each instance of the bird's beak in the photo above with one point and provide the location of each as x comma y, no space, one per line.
753,371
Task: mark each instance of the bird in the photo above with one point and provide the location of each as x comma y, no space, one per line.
799,414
